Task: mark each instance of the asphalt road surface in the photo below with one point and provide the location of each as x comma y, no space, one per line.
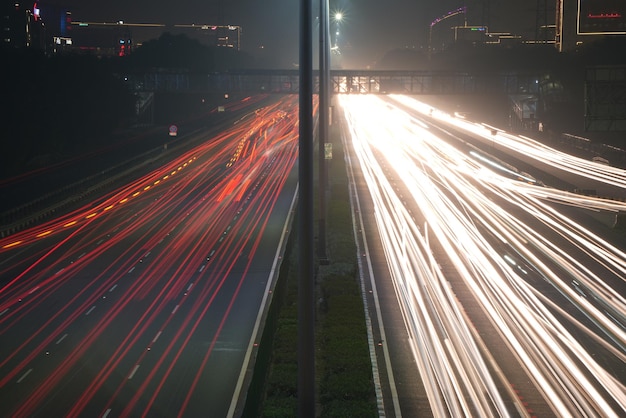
496,289
147,301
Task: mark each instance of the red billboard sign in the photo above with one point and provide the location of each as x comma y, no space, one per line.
598,17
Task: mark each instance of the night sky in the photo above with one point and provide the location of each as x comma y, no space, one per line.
370,27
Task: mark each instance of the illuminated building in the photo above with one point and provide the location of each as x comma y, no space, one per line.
22,26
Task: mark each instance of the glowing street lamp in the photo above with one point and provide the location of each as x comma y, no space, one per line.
337,18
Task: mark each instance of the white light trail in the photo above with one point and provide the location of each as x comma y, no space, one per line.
507,238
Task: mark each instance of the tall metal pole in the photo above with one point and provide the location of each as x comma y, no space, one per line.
324,75
306,255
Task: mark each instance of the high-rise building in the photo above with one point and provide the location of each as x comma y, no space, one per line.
31,25
58,27
22,26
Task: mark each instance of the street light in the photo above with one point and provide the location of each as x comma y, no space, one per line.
306,268
324,93
337,18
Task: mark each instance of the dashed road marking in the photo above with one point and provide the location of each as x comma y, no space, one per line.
130,376
24,376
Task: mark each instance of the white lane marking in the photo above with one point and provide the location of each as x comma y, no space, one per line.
113,287
90,309
106,413
24,376
61,339
33,290
131,270
175,309
201,268
188,289
5,311
156,337
130,376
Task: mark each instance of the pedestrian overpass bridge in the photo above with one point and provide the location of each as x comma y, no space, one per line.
341,81
522,88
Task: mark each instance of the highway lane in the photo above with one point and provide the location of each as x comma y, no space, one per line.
145,302
44,187
555,168
486,264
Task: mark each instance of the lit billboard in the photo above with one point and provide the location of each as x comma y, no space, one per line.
600,17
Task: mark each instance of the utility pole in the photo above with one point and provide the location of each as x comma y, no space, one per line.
324,95
306,267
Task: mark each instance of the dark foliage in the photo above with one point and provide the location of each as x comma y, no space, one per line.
57,106
179,52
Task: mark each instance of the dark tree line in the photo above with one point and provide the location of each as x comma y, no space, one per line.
54,107
57,106
181,52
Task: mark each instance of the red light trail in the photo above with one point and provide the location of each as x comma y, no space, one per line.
130,286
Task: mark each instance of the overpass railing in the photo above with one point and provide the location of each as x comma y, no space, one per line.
342,81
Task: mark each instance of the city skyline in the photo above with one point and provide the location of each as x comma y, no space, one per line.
367,31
